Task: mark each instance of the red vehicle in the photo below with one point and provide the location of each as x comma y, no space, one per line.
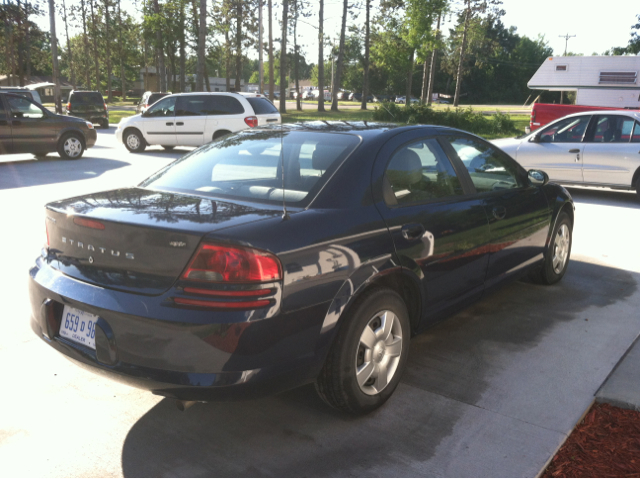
543,113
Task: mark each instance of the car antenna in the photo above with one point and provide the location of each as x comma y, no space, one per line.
285,214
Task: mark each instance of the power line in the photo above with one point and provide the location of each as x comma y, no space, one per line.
566,41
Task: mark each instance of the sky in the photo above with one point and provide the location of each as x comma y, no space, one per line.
596,27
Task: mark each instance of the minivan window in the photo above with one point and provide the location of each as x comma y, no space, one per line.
23,108
248,166
262,106
192,105
224,105
165,107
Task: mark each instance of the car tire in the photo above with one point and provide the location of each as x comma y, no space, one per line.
134,141
638,188
71,146
557,257
104,124
366,361
168,147
220,134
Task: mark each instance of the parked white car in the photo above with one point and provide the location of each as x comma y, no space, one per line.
193,119
599,148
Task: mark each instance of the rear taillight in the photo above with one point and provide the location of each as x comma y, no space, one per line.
105,107
252,121
69,106
88,223
227,264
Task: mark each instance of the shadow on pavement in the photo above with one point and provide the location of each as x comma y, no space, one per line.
53,169
604,196
440,414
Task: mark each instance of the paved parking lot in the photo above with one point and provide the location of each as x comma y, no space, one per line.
493,391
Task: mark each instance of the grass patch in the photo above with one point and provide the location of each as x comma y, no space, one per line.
116,115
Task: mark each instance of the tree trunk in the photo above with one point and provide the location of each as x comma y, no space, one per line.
272,88
238,45
425,82
146,67
108,48
321,58
27,42
205,80
365,83
202,33
260,48
123,80
432,69
227,60
66,27
335,88
85,41
54,55
407,100
283,57
160,50
182,49
94,34
20,45
297,57
463,47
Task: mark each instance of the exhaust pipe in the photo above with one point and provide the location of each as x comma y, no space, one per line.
184,405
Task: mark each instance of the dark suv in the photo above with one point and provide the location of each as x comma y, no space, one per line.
28,127
89,105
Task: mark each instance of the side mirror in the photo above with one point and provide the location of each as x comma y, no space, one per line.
538,177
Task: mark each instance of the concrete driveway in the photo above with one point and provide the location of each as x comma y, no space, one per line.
492,391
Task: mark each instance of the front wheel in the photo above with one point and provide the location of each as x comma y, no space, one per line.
366,361
557,257
70,147
134,141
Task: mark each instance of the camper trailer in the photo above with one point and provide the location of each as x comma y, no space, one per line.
600,82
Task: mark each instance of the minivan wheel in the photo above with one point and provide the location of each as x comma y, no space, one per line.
70,146
557,257
366,361
134,141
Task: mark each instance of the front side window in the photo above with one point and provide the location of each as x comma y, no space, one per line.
163,108
613,129
249,166
23,108
570,130
489,169
420,172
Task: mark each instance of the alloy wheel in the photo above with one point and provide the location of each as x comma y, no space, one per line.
561,245
72,147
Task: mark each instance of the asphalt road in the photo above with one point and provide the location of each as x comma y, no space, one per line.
493,391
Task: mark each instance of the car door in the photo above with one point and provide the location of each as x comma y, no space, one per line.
557,149
611,152
439,230
191,119
159,122
518,212
6,142
33,129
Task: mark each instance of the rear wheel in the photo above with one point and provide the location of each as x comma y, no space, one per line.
366,361
220,134
134,141
557,258
70,146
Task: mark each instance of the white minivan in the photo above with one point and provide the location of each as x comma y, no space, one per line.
194,119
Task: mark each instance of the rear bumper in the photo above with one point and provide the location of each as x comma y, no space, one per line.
93,116
186,354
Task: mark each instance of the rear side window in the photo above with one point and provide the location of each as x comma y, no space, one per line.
249,166
88,98
613,129
224,105
262,106
193,105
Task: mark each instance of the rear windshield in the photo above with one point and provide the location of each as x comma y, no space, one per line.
87,98
248,166
26,94
154,97
262,106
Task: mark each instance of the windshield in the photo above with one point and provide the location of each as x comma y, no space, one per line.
248,166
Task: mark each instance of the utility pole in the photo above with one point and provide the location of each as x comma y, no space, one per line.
54,53
260,62
566,42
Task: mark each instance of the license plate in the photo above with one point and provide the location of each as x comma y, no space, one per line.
79,326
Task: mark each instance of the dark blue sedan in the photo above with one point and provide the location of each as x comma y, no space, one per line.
281,256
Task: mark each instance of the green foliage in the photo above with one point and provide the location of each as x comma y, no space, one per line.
498,124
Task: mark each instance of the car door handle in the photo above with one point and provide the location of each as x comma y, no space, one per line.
169,123
413,231
575,150
499,212
179,123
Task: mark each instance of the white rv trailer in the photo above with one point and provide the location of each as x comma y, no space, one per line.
607,81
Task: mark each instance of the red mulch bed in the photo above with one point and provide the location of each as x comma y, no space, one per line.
605,444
